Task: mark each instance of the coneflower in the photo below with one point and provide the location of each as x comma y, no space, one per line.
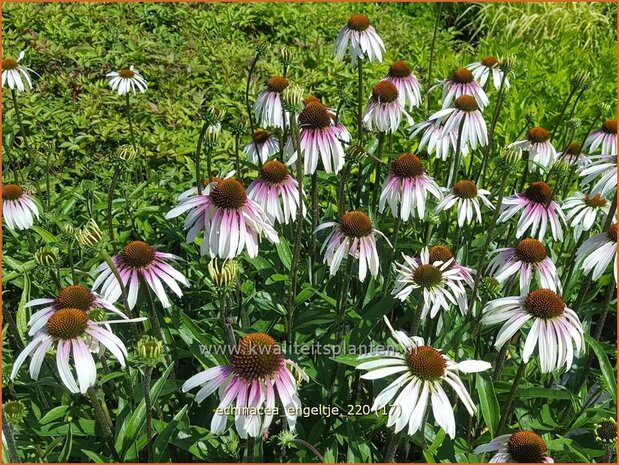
18,207
363,39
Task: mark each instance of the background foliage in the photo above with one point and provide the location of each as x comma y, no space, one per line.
194,55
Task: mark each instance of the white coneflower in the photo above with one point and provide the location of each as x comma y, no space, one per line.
538,209
605,138
554,326
488,66
13,72
353,235
262,146
465,196
406,188
462,82
598,251
441,284
465,113
438,142
384,109
409,90
422,372
581,210
127,80
269,106
18,207
528,259
541,151
277,192
363,39
604,166
518,447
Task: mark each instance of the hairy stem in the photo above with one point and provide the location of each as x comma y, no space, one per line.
110,200
507,408
149,417
9,437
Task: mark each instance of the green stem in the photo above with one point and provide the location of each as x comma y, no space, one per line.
392,447
377,169
197,158
507,408
432,49
563,110
360,100
9,437
455,167
22,131
251,442
130,121
71,261
149,417
310,447
315,209
394,243
499,362
227,327
110,200
104,422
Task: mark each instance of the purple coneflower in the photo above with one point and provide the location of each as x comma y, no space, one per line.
71,332
320,138
604,166
406,188
422,372
384,109
353,234
139,261
581,211
460,83
538,209
256,377
127,80
363,39
574,155
74,296
541,151
277,192
527,259
441,284
554,326
441,253
519,447
231,220
409,90
465,113
598,251
483,69
18,207
465,196
438,143
262,146
13,72
605,138
269,108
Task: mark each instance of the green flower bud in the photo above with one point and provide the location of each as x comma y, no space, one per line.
126,153
150,348
490,288
14,411
285,439
223,276
507,64
293,98
606,431
90,235
581,79
46,257
97,314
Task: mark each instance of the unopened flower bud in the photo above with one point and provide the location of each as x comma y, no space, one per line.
46,257
286,439
606,431
150,348
97,314
90,235
507,64
126,153
14,411
293,98
225,275
581,79
508,157
490,288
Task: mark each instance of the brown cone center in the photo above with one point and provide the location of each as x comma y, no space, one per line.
466,103
67,323
315,116
9,63
527,447
384,92
274,172
539,192
597,201
531,251
277,84
440,253
358,22
538,135
610,126
426,363
126,73
138,254
399,69
427,276
75,296
574,148
260,136
612,232
356,224
11,192
462,76
407,165
465,189
544,303
229,194
257,356
490,62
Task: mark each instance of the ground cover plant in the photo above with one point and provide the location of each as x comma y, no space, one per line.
309,232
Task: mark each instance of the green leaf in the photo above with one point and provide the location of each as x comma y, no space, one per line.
54,414
489,404
160,445
45,235
96,458
21,317
284,253
607,369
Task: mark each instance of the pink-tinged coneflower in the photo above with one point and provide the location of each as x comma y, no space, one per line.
528,259
256,378
605,138
598,251
465,113
488,66
277,192
574,155
384,109
604,166
353,235
441,253
554,326
437,142
581,210
538,209
269,108
18,207
465,196
422,372
13,72
139,261
462,82
409,90
519,447
541,151
127,80
319,138
232,222
71,332
363,39
440,284
74,296
262,146
406,188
